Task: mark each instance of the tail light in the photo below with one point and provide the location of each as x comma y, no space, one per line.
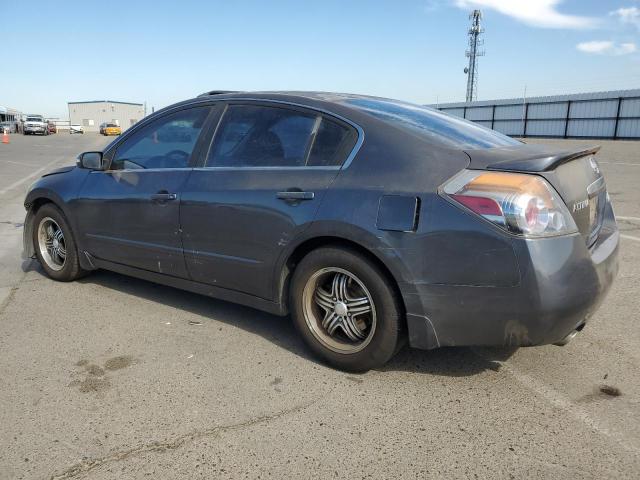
519,203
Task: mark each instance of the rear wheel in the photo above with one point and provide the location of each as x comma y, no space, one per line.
54,244
345,309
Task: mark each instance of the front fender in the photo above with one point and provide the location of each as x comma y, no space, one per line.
28,250
59,187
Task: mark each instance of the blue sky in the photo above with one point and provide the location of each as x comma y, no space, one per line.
161,52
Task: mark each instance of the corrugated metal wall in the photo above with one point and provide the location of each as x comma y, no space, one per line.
92,114
614,115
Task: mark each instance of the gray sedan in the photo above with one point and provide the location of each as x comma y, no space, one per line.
372,222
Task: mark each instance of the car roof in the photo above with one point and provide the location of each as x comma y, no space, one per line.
294,96
331,102
374,114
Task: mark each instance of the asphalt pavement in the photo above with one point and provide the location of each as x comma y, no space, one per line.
113,377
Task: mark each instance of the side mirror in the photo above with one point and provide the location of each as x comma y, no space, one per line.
90,160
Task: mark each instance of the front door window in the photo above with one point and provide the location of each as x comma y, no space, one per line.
165,143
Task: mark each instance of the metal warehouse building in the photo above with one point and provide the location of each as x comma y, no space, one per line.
613,115
9,115
91,114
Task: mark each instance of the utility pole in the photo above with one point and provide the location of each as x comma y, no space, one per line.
473,53
524,109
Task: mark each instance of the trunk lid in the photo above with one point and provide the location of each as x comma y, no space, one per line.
574,173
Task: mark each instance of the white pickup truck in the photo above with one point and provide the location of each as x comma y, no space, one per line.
36,124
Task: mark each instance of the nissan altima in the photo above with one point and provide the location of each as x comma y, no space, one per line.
371,222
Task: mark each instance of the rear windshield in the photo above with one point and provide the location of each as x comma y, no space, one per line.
111,125
437,126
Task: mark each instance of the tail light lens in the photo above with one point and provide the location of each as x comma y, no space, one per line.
520,203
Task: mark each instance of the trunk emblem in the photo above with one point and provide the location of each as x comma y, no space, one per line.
580,205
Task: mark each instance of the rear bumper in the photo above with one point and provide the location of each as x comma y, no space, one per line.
562,283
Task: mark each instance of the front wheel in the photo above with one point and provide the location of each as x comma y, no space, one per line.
54,244
346,309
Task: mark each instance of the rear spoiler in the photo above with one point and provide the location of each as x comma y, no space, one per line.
535,162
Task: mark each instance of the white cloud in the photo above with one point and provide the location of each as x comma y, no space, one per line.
606,47
630,15
626,48
595,46
537,13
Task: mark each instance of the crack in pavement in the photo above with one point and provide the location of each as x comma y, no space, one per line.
12,293
120,455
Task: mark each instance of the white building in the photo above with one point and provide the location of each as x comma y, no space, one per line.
9,115
93,113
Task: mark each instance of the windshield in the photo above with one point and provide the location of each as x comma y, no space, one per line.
111,125
437,126
34,119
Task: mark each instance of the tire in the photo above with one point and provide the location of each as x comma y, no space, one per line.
360,340
69,268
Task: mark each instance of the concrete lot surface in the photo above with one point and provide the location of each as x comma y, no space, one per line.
112,377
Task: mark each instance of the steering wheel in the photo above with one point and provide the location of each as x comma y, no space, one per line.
176,158
178,155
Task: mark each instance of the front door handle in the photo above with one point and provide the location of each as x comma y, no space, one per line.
295,195
163,196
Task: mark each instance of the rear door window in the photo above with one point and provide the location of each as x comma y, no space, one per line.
259,136
265,136
332,145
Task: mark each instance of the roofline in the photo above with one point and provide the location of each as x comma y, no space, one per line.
107,101
218,92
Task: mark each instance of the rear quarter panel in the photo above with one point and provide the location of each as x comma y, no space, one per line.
448,246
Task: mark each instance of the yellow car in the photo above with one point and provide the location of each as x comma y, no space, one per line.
111,129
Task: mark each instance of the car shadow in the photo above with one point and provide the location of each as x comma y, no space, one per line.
276,329
450,362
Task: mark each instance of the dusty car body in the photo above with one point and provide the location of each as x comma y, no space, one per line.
405,223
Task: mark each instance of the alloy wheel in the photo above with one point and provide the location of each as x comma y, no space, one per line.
51,243
339,310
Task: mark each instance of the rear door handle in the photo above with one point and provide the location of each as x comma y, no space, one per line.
295,195
162,197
